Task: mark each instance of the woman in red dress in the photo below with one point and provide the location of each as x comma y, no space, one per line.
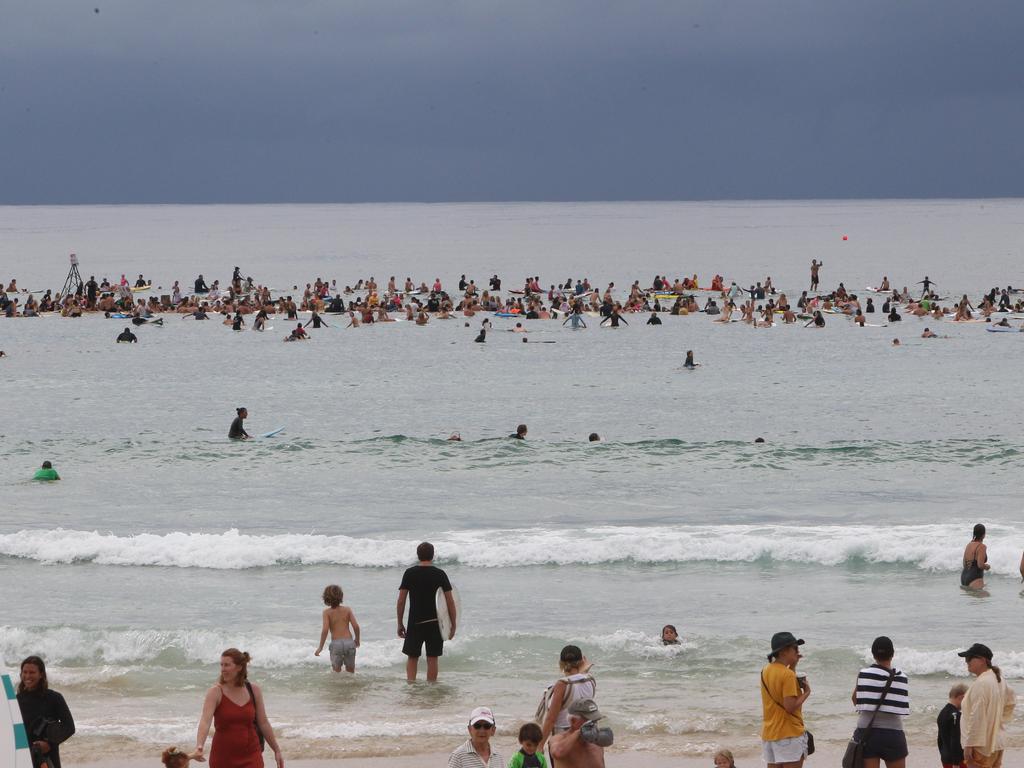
235,708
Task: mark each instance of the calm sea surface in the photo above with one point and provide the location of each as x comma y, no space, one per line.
166,543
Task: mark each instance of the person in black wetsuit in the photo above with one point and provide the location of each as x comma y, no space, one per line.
238,323
200,286
47,719
520,433
127,337
316,321
481,337
615,318
975,560
419,587
654,319
237,431
894,316
818,321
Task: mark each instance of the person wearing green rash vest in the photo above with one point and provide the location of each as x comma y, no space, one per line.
46,472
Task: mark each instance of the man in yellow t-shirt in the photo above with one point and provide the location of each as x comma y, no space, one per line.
783,736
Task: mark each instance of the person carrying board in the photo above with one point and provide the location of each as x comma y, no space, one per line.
420,585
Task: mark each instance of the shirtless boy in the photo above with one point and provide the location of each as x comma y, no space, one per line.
341,622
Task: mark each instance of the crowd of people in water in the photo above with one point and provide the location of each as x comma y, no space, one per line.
243,303
970,728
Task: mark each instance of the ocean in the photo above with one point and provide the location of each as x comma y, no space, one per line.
165,543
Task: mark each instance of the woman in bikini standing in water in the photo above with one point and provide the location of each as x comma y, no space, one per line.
975,560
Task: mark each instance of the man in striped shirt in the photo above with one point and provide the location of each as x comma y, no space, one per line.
477,752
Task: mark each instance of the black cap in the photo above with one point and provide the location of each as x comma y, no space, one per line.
982,651
882,647
782,640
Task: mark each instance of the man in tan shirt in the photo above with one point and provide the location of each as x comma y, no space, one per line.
987,707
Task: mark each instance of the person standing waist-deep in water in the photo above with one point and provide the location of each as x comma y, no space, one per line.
419,587
237,431
975,560
44,712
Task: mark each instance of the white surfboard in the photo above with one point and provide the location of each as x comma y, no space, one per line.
444,620
13,739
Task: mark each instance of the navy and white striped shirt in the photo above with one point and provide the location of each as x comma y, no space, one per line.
870,683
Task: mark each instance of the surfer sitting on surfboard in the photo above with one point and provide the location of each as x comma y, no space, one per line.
420,586
237,431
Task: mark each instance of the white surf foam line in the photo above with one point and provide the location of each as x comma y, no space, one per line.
946,662
69,648
926,547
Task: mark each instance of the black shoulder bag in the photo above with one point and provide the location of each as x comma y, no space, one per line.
255,720
810,736
854,757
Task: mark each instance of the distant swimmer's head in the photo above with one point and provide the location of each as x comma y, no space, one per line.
173,757
571,658
234,667
723,759
759,440
979,532
882,649
455,437
594,437
669,635
47,465
895,342
425,552
521,430
333,595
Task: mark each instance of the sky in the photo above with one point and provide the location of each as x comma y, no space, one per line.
217,101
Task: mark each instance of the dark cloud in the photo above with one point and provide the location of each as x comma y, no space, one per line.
328,101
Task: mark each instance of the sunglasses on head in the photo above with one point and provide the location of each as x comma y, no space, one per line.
482,725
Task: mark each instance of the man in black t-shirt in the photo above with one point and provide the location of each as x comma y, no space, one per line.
419,585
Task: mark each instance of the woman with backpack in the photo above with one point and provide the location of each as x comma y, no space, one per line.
575,683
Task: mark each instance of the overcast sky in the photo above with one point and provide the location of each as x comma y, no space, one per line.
430,100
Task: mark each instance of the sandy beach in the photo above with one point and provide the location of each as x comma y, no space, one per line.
826,754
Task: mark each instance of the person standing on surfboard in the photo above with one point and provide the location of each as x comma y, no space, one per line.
419,587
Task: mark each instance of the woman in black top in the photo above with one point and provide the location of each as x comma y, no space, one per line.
46,715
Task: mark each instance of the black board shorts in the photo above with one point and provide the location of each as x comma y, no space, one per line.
418,635
884,743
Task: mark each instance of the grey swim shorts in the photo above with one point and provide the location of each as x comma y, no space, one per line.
343,652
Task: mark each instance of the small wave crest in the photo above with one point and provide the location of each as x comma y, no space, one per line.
924,547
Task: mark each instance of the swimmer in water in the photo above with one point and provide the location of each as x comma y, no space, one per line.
576,318
654,319
614,318
594,437
818,321
127,337
237,431
669,635
519,329
928,334
975,560
455,437
895,342
520,433
689,360
481,337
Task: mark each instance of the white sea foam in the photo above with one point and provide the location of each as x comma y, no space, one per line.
926,547
110,653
